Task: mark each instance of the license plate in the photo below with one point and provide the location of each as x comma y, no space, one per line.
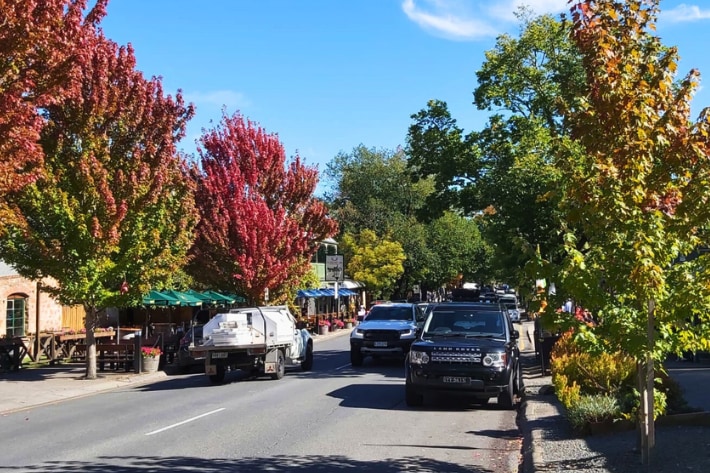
380,344
455,379
219,354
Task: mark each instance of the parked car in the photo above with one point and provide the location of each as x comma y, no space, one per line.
388,330
185,358
466,350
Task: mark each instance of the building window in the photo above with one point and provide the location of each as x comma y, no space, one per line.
16,318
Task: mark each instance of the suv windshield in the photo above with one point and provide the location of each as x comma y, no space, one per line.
448,321
380,312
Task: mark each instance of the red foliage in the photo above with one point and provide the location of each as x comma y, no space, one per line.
39,44
260,223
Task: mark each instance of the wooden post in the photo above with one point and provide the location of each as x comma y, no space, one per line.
37,342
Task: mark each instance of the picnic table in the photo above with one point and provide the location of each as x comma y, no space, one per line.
58,346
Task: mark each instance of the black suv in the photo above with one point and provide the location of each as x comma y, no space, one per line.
467,349
388,330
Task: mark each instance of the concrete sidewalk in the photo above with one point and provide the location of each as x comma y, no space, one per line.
32,387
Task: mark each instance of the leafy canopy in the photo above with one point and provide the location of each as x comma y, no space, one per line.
637,168
260,223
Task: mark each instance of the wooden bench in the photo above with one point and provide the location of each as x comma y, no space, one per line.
117,355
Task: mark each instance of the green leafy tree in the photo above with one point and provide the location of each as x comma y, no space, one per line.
505,173
460,250
377,262
637,168
373,190
113,202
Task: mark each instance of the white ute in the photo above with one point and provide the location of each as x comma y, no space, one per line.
258,340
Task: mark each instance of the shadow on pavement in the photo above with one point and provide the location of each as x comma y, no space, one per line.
282,463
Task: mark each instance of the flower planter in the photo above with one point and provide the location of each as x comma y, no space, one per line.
349,325
323,330
150,364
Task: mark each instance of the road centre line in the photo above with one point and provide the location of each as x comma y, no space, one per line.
342,367
186,421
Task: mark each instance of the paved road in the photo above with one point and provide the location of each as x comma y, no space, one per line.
335,418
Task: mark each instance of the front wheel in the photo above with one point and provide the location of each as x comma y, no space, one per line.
355,357
519,384
307,363
506,399
412,397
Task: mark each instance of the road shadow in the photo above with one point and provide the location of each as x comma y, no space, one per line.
281,463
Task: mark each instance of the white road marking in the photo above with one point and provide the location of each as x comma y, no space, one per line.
186,421
342,367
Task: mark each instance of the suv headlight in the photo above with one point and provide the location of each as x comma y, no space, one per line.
494,359
357,333
407,333
418,357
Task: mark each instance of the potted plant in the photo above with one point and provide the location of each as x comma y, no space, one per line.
150,359
323,326
349,322
338,324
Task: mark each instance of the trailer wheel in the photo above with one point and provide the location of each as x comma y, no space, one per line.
280,365
307,363
219,377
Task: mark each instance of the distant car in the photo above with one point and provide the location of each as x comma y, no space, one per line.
186,359
466,350
388,330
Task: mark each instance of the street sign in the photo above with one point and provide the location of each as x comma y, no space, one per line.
334,268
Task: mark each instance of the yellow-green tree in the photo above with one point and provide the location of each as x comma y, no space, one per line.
637,172
377,262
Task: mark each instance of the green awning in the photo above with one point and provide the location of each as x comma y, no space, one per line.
198,295
219,298
158,298
184,298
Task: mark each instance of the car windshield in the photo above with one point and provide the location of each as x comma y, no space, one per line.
389,313
450,322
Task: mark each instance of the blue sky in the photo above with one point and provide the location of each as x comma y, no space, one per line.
328,75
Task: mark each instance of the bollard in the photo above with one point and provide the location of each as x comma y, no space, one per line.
137,358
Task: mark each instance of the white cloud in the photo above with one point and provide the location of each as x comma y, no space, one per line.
447,18
684,13
472,19
220,98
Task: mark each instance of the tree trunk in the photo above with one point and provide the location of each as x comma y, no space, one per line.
89,323
644,374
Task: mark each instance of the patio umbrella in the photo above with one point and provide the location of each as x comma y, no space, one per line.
219,298
158,298
184,298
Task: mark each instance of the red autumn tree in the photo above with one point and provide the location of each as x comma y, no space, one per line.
114,202
39,43
259,222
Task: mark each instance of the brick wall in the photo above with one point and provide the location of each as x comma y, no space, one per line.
50,311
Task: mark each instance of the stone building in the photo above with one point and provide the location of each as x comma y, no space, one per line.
26,306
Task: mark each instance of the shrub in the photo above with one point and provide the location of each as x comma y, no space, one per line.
603,373
593,408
